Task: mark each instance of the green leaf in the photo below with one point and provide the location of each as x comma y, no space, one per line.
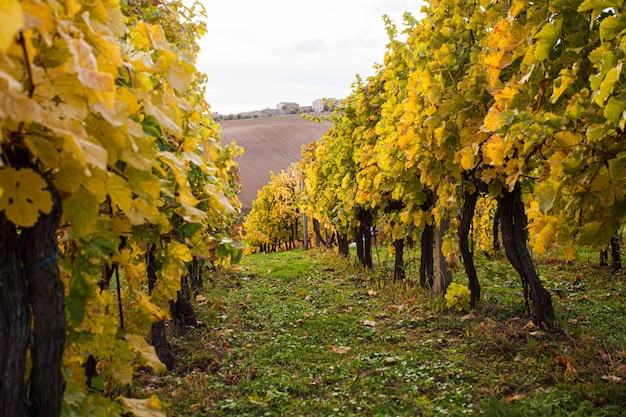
606,87
614,109
599,5
595,234
566,4
611,26
44,150
81,211
547,37
546,193
596,132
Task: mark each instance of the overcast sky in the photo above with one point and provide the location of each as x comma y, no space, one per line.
259,53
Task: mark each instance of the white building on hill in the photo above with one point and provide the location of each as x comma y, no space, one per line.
287,105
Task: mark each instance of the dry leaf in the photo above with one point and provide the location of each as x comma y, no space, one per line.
368,323
470,316
342,350
194,408
611,378
621,370
514,398
577,319
570,370
371,293
604,355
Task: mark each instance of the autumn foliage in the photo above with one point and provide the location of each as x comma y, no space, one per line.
109,160
513,104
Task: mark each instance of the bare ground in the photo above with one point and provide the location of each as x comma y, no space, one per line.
270,144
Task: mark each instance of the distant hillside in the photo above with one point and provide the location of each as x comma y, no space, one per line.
270,144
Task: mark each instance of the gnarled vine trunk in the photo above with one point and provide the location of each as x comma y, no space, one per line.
495,231
182,309
427,243
616,258
157,337
427,260
14,323
30,283
513,221
343,245
398,264
364,239
467,215
319,240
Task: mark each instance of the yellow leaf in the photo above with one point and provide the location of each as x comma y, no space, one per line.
109,55
506,94
93,153
144,184
516,7
179,251
44,150
570,253
120,192
467,158
19,107
492,120
187,198
86,67
12,19
147,353
494,65
494,151
81,210
143,211
158,112
563,81
149,407
543,240
179,76
72,7
24,196
148,308
566,139
154,34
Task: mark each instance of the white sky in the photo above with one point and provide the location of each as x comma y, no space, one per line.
259,53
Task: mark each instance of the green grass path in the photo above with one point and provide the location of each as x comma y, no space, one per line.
305,334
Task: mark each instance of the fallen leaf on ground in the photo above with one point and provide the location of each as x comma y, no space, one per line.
514,398
604,355
368,323
342,350
470,316
611,378
371,293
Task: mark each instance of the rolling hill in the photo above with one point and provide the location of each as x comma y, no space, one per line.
270,144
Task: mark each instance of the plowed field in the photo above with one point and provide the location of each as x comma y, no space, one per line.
270,144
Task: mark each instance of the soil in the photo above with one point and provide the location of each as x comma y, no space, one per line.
271,144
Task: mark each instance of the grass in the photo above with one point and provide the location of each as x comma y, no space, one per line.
307,334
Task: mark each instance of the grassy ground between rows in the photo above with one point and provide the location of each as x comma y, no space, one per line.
305,333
